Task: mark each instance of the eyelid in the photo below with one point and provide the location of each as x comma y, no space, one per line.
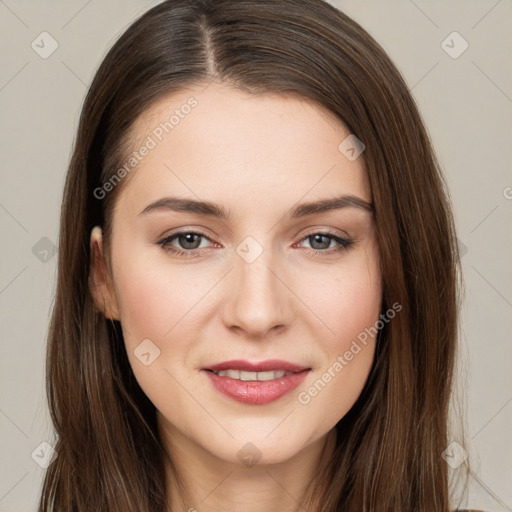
330,231
198,230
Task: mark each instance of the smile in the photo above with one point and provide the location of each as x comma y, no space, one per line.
252,376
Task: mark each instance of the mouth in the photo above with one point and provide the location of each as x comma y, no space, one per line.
256,383
252,376
270,365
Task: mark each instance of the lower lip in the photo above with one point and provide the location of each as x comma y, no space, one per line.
256,392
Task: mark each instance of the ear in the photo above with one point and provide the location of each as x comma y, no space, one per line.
100,283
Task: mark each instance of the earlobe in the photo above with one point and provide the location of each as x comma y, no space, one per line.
100,284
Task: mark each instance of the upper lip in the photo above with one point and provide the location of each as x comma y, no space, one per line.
262,366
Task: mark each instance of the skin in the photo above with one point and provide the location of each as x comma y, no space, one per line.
257,156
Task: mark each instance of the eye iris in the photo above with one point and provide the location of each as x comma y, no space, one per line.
188,240
317,238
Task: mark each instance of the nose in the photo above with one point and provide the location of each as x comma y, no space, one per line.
258,297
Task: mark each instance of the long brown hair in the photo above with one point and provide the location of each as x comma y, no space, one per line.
389,445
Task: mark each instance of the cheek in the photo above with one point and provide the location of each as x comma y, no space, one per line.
162,302
348,356
350,306
148,304
154,293
358,307
156,304
345,298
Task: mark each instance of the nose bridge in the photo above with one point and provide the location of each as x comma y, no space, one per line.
259,300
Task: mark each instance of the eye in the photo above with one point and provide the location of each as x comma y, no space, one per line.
190,242
321,242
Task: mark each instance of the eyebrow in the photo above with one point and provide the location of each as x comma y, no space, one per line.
211,209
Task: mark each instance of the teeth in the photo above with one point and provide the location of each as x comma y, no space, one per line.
243,375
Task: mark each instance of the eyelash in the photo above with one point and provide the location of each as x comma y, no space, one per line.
344,244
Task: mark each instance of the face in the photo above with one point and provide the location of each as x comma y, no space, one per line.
267,281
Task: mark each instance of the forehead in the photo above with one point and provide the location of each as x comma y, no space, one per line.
220,141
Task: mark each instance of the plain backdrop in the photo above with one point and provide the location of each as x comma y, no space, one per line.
465,97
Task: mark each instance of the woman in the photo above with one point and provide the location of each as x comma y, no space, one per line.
301,355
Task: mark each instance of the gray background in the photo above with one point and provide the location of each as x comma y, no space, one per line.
466,103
